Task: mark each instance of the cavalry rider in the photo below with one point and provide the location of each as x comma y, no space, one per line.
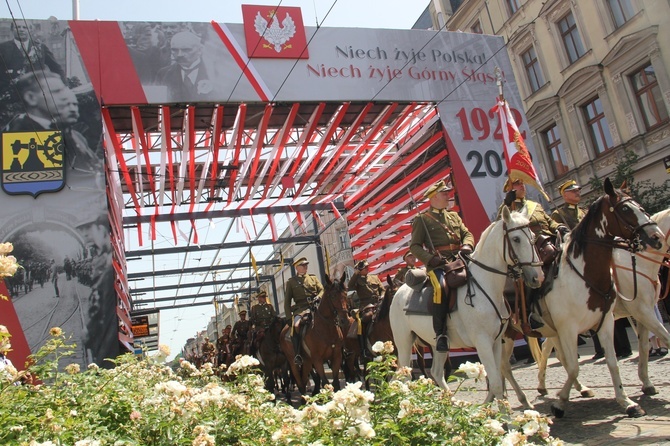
208,351
262,313
540,223
570,213
410,263
369,290
240,332
438,235
223,345
302,290
261,316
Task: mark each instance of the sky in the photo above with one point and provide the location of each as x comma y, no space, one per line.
400,14
176,326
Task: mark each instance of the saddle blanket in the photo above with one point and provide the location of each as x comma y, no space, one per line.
420,302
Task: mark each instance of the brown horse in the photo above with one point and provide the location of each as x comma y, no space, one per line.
323,339
272,359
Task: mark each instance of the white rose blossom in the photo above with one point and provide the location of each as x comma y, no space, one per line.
474,371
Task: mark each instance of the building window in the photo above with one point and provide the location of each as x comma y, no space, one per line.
622,11
552,142
533,70
513,6
477,28
598,127
571,39
343,239
649,98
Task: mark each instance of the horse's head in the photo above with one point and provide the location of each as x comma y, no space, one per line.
518,248
624,217
335,296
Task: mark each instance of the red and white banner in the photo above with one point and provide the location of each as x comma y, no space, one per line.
517,157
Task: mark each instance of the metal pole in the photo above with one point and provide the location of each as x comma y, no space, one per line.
75,9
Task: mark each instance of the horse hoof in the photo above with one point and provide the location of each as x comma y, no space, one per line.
649,390
587,393
557,412
542,392
635,411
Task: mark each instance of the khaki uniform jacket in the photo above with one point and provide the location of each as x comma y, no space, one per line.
369,289
540,221
262,315
446,230
298,289
569,215
241,329
400,275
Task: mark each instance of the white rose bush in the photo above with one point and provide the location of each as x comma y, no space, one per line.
145,402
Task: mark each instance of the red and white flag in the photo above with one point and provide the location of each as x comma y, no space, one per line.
518,160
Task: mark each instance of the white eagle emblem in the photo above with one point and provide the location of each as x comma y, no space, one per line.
275,34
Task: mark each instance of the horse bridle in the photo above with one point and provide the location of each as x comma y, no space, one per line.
514,271
334,309
633,241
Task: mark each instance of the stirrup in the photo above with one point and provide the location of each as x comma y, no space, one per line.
442,344
297,360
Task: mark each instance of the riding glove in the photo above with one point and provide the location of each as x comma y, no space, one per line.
510,197
436,261
466,250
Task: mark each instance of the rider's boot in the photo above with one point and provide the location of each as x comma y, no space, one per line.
296,348
439,325
365,353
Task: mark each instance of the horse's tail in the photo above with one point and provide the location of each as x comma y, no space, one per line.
534,346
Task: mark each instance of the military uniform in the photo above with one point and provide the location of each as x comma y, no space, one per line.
208,351
369,288
399,277
241,329
262,315
539,221
437,236
569,215
447,232
298,289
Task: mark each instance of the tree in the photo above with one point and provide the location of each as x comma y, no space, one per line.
652,197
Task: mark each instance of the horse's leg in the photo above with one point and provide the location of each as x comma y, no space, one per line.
506,369
335,368
632,409
647,322
437,369
490,355
643,359
584,391
547,347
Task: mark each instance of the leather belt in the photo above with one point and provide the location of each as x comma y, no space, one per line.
448,248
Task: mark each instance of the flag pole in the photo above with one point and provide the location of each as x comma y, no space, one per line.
497,72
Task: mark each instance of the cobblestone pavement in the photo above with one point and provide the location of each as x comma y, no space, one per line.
599,420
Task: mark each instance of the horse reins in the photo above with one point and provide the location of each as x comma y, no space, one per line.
513,271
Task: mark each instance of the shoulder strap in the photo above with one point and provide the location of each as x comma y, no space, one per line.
444,226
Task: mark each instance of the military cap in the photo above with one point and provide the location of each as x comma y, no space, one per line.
508,185
568,185
301,261
437,187
404,256
262,294
362,265
242,312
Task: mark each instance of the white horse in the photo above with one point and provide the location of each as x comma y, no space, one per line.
633,299
480,318
583,292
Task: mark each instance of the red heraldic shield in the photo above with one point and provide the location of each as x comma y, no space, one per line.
277,33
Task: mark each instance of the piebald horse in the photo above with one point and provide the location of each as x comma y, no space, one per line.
324,338
638,291
583,291
481,315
